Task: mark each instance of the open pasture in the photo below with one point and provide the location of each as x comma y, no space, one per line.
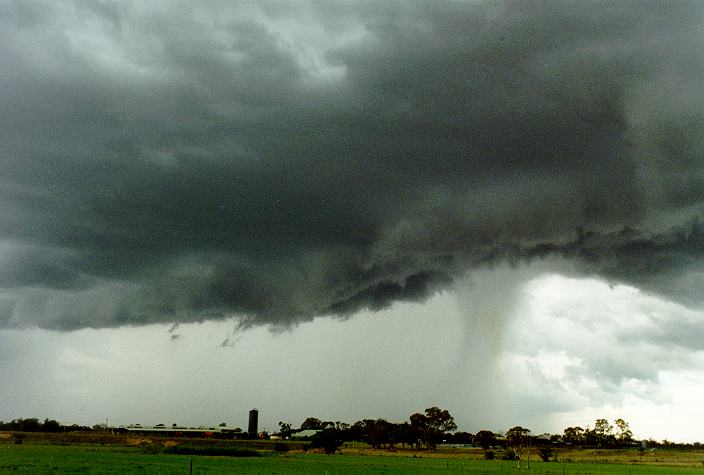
152,458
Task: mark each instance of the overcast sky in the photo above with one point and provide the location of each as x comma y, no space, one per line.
353,209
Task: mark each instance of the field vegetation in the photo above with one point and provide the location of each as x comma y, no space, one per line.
88,452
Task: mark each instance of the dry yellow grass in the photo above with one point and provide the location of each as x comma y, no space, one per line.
657,457
654,457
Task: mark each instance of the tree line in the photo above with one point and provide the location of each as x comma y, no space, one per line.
602,434
421,430
426,429
435,425
35,425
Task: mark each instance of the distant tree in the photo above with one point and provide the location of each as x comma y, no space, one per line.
51,425
460,437
624,436
485,439
328,439
518,437
380,433
376,433
603,433
440,420
342,426
590,438
432,425
312,423
356,432
285,429
28,425
404,434
419,425
602,427
222,424
573,435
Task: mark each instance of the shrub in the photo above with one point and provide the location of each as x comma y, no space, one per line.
281,447
545,453
508,454
489,455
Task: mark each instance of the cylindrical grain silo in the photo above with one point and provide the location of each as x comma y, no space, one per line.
253,422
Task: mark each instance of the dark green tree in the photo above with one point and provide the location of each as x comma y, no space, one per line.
404,434
51,425
602,427
485,439
376,433
573,435
624,435
380,433
329,440
285,429
28,425
603,433
519,438
432,425
312,423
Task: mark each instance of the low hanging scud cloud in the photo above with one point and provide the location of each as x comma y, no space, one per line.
168,162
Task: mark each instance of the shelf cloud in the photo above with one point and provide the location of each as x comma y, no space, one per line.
171,162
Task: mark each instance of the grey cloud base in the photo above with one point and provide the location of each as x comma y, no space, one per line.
179,163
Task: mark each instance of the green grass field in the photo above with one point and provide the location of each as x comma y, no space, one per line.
45,458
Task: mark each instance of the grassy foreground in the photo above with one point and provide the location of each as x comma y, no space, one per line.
90,458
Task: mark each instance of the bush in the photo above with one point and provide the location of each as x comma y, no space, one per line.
508,454
281,447
545,453
489,455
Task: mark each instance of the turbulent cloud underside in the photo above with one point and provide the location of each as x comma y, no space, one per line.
172,162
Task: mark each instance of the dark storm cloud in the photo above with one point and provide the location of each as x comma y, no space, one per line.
175,163
655,262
